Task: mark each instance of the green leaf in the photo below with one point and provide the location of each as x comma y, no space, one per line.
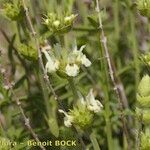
94,142
53,127
92,22
52,118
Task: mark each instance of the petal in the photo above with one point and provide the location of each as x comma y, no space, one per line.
93,104
68,121
82,47
63,112
90,97
47,55
72,70
85,61
52,66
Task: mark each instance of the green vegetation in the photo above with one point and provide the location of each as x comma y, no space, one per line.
74,75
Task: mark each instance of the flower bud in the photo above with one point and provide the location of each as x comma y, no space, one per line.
69,19
56,23
46,21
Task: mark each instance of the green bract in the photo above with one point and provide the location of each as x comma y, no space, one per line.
145,141
143,100
28,51
82,114
143,115
13,12
144,86
59,24
82,117
143,94
144,7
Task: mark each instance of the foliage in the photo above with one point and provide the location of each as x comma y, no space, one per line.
74,70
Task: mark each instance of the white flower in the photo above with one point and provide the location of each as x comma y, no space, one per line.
80,57
93,104
68,119
85,61
52,64
72,70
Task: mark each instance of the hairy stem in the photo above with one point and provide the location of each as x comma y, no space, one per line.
111,73
73,88
46,78
134,45
25,118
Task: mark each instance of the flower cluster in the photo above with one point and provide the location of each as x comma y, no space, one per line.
143,111
28,51
143,99
82,115
143,95
59,24
144,7
13,11
67,64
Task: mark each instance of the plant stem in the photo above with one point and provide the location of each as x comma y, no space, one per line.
112,75
73,88
106,96
26,119
134,46
107,106
41,64
94,142
116,20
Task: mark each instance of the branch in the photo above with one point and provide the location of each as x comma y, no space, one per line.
111,73
25,118
46,78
